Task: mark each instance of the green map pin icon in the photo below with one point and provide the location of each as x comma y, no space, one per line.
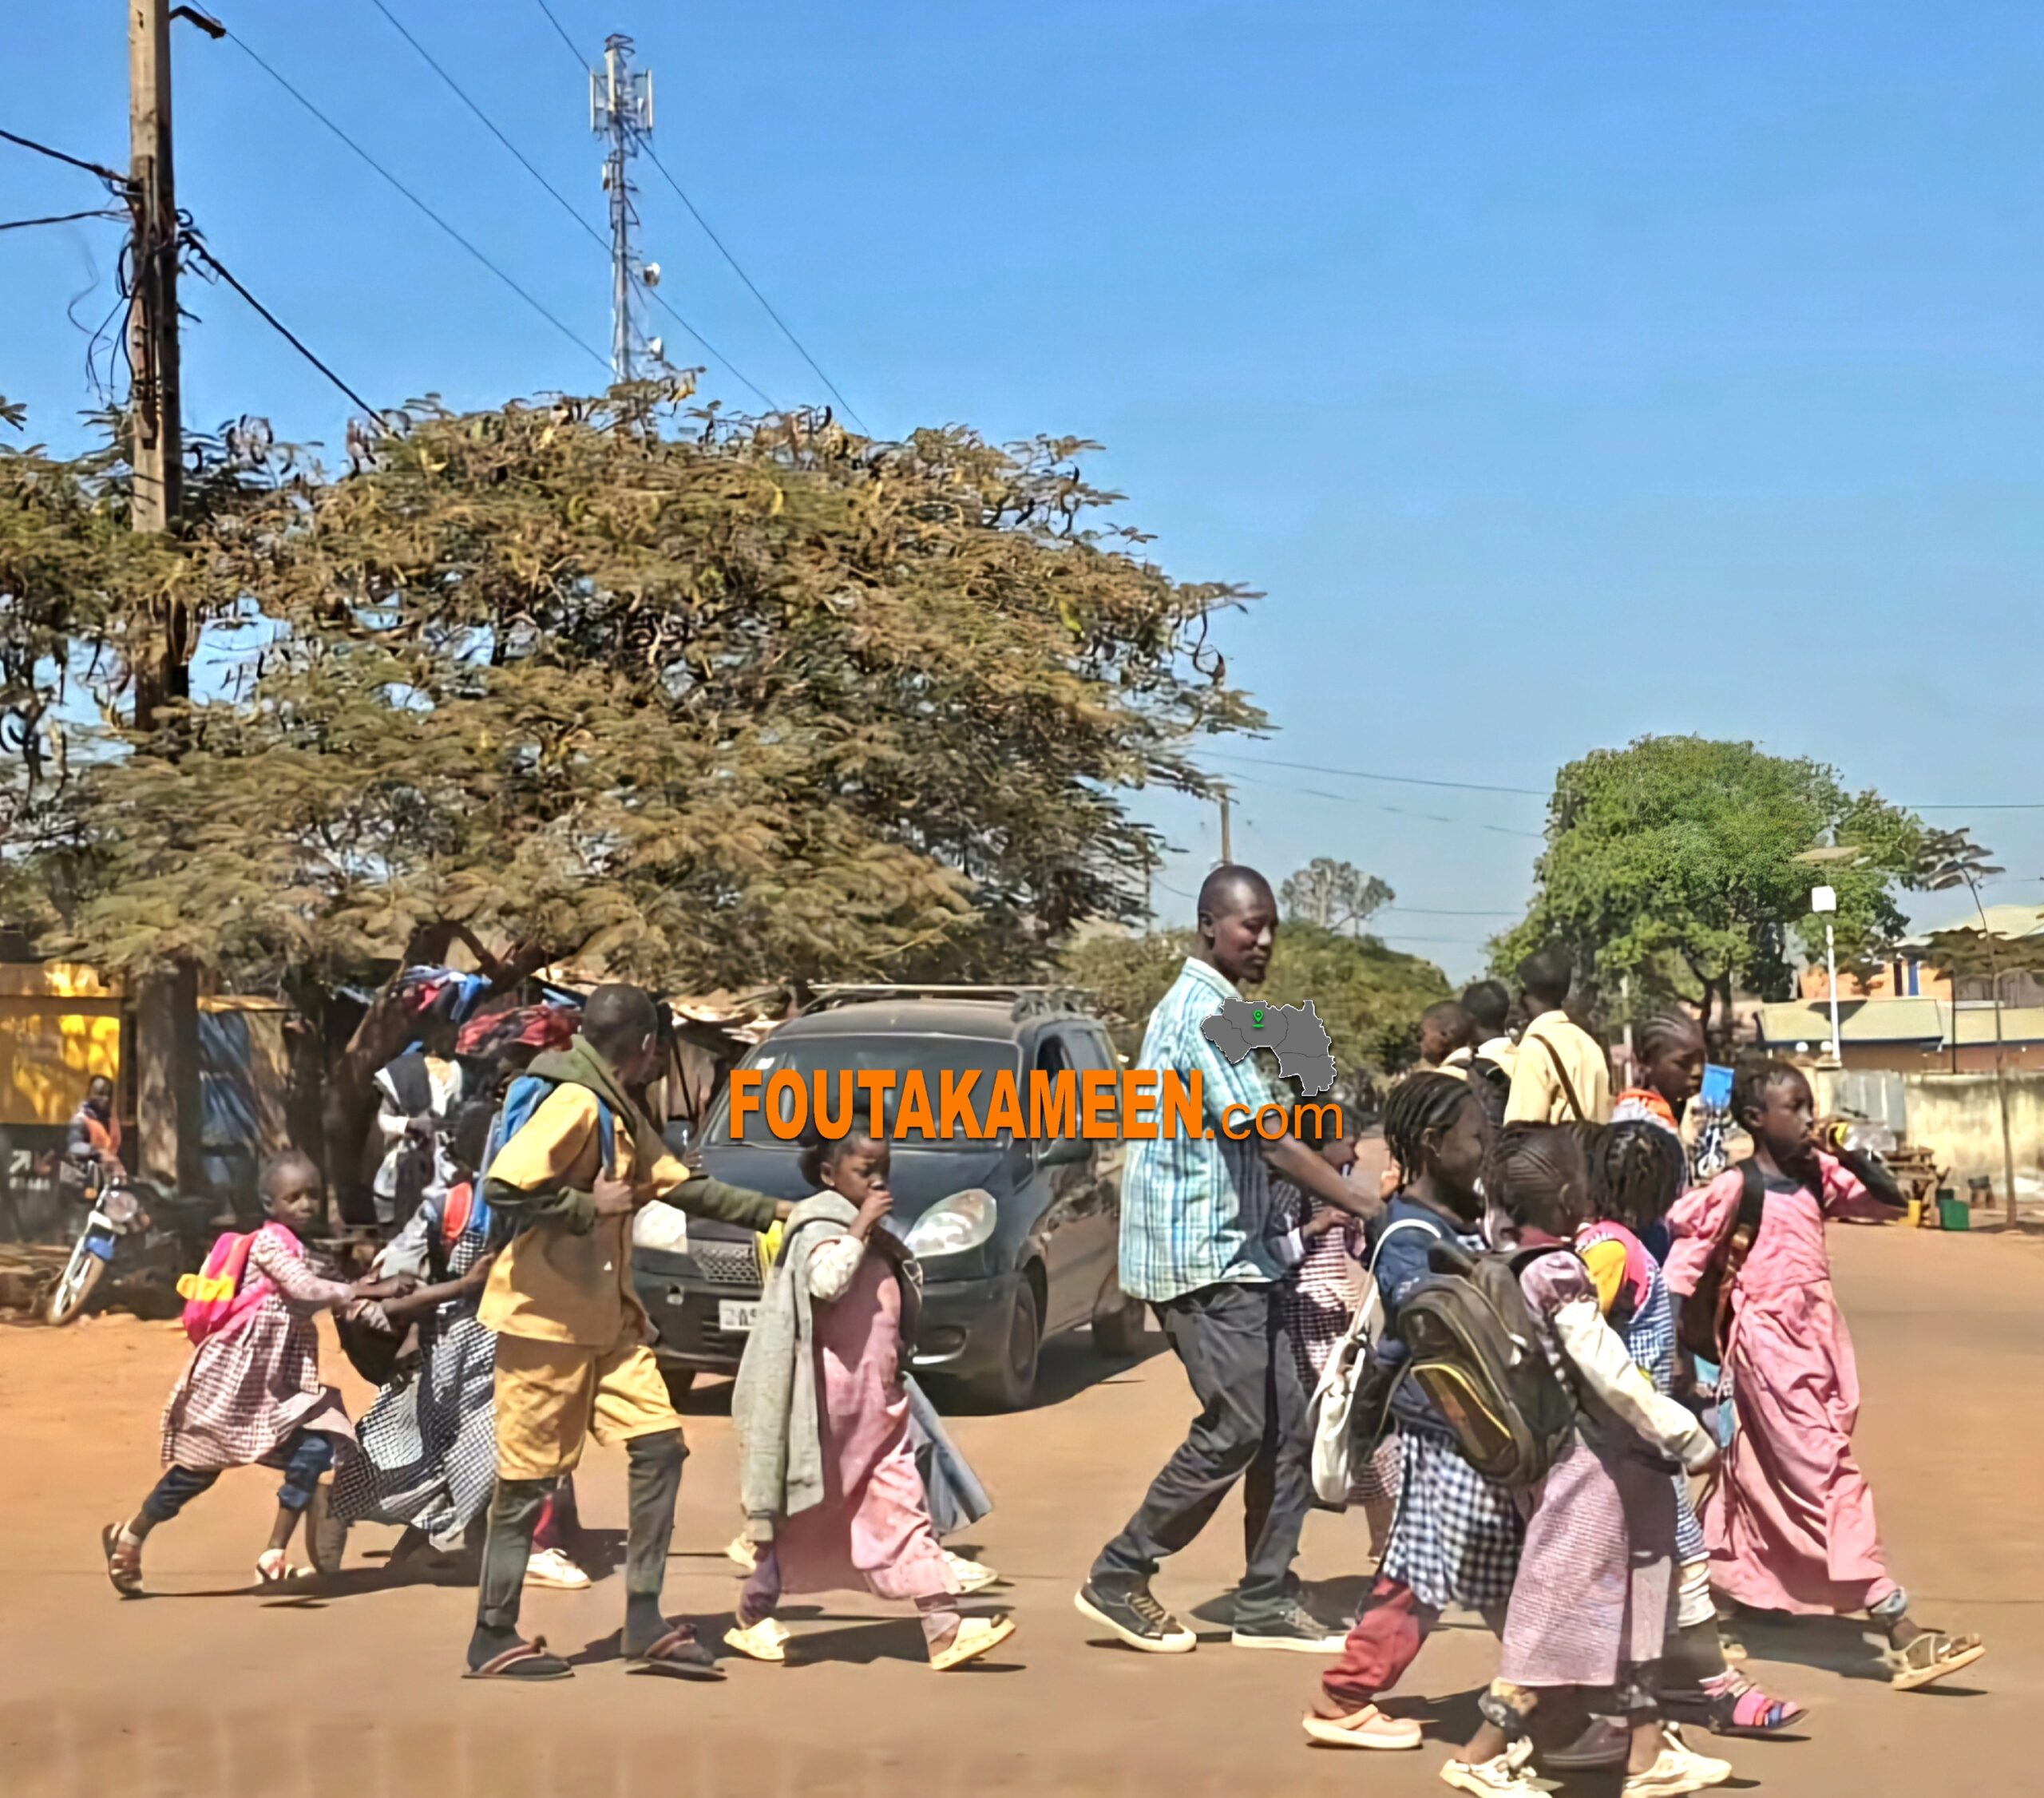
1256,1017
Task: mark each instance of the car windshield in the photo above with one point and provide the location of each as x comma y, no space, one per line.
931,1056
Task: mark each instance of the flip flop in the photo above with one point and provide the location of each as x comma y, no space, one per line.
1367,1728
525,1661
679,1654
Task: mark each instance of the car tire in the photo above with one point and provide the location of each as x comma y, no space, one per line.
1118,1324
1011,1385
681,1382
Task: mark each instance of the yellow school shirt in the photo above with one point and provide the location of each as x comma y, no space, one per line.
551,1283
1537,1094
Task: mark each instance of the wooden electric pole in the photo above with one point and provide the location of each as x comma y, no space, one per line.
167,999
1227,836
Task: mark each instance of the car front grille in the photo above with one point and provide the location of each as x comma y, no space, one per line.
726,1264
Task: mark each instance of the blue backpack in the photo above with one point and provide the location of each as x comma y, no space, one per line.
524,1097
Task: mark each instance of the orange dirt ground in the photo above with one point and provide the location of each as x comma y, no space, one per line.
206,1687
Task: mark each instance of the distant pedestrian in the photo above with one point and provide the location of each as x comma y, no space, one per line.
1196,1237
1560,1073
1490,1061
251,1394
827,1467
1447,1039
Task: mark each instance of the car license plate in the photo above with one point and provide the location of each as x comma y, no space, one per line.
736,1315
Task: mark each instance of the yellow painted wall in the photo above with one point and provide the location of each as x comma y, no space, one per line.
48,1049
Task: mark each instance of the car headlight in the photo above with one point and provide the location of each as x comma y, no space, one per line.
962,1221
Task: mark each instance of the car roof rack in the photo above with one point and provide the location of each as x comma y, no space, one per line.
1023,1000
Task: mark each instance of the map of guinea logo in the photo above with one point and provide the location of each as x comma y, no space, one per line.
1293,1033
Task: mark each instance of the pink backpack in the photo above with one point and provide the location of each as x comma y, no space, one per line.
216,1302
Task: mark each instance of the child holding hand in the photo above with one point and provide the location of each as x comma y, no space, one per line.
251,1394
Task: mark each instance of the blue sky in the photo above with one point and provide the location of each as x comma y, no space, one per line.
1560,372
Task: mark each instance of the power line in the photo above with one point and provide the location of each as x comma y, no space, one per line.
752,287
1395,811
119,181
565,331
62,218
562,30
198,248
1362,774
562,200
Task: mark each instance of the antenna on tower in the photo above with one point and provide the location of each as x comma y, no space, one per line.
621,111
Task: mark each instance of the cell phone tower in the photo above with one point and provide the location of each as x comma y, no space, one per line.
621,113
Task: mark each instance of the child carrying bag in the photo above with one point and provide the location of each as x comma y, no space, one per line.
1331,1410
1478,1357
1701,1326
219,1299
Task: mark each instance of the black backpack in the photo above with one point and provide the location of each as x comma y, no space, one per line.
1493,1086
1476,1355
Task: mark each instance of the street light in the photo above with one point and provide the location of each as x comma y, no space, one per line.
1824,900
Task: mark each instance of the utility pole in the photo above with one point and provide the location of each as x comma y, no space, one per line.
167,999
1227,840
621,111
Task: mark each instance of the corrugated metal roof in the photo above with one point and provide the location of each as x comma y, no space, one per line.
1928,1021
2010,922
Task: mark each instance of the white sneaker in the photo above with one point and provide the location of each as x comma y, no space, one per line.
1706,1767
742,1551
765,1640
1489,1779
548,1567
971,1577
1674,1772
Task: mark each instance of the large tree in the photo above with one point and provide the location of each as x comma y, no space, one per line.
1335,895
1684,865
707,701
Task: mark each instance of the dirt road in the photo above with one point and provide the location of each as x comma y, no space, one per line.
206,1687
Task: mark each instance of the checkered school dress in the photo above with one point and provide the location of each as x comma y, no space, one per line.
1456,1537
429,1443
244,1394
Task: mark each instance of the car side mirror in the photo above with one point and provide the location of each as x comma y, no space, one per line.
1064,1151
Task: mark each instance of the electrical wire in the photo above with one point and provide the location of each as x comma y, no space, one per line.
565,204
195,246
119,182
562,31
1363,773
781,324
62,218
581,343
752,287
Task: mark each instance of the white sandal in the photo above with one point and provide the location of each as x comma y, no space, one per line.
273,1567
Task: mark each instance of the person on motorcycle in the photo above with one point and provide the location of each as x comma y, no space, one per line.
92,1146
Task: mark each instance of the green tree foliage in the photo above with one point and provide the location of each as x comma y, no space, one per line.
1370,997
1675,861
760,700
710,701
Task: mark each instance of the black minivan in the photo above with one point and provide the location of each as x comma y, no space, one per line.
1016,1238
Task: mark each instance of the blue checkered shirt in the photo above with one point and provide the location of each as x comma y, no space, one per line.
1197,1211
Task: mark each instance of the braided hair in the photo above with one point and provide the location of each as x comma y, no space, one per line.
1636,1173
1423,1108
1663,1030
1754,1079
1538,1173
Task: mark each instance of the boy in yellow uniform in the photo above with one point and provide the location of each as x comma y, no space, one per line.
1561,1074
572,1359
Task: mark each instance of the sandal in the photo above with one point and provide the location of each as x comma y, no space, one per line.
124,1560
525,1661
1743,1710
1605,1742
679,1654
1366,1728
1931,1655
272,1568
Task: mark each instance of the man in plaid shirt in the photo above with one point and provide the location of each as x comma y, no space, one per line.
1200,1243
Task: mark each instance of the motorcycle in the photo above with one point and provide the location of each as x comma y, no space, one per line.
119,1211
